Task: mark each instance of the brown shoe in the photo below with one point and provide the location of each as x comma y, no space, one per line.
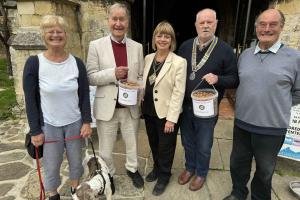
185,177
197,183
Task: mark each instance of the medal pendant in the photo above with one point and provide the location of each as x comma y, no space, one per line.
192,76
152,78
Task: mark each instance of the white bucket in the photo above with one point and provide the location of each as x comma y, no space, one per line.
128,94
205,107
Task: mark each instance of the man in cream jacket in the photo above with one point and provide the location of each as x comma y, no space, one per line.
110,59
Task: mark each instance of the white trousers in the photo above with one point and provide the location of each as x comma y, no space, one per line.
107,134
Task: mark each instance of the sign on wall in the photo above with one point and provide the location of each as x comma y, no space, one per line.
291,146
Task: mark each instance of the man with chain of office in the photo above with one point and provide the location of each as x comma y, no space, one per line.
212,60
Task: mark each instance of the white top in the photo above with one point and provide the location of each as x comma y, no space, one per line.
59,91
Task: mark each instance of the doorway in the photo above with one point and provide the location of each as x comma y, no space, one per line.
235,19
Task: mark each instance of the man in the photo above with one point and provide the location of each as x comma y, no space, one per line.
212,60
269,86
110,59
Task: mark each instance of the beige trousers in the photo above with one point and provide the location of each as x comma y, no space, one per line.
107,134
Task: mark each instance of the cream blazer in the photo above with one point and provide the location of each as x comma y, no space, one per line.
169,87
101,73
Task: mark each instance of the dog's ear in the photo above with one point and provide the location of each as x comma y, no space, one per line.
81,190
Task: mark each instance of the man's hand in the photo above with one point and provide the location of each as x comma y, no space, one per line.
121,72
210,78
38,140
86,130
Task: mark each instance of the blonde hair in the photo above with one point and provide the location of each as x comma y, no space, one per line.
49,21
164,27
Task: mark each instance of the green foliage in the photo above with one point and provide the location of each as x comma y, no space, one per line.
7,93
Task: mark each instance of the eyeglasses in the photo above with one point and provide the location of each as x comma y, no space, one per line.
55,32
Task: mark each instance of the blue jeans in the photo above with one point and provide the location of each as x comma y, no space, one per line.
264,148
197,139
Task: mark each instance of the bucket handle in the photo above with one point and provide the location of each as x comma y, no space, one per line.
200,84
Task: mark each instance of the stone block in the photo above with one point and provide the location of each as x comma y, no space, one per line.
290,7
43,7
25,7
25,20
36,20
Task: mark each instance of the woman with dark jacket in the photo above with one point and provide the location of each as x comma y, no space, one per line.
57,101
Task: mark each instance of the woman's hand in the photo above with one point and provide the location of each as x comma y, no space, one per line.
38,140
169,127
86,130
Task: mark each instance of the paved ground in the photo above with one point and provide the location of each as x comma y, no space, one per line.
18,177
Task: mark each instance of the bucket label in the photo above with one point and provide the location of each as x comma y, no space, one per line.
203,108
127,97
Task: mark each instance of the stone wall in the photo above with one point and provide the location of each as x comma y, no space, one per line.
93,22
86,21
291,32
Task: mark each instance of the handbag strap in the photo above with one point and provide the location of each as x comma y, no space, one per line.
42,189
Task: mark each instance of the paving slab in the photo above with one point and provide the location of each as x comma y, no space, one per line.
4,188
216,159
20,180
174,191
224,129
225,146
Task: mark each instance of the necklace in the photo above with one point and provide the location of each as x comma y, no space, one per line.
195,67
156,67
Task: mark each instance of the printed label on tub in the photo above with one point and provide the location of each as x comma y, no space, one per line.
203,108
127,97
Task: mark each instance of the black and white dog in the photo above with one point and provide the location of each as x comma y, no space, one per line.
99,180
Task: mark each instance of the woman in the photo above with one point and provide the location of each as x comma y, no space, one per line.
164,82
57,104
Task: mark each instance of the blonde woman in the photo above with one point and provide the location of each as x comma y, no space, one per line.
164,82
57,104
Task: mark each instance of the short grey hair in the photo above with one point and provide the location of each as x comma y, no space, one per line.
207,9
282,17
118,5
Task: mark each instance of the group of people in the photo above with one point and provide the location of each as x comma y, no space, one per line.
56,88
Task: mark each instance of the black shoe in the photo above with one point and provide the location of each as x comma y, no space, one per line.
152,176
231,197
136,178
73,193
55,197
159,188
112,185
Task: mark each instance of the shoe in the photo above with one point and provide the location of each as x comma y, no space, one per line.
136,178
55,197
231,197
152,176
159,188
185,177
112,184
197,183
73,193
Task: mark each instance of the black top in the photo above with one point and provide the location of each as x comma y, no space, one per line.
148,107
222,62
33,100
